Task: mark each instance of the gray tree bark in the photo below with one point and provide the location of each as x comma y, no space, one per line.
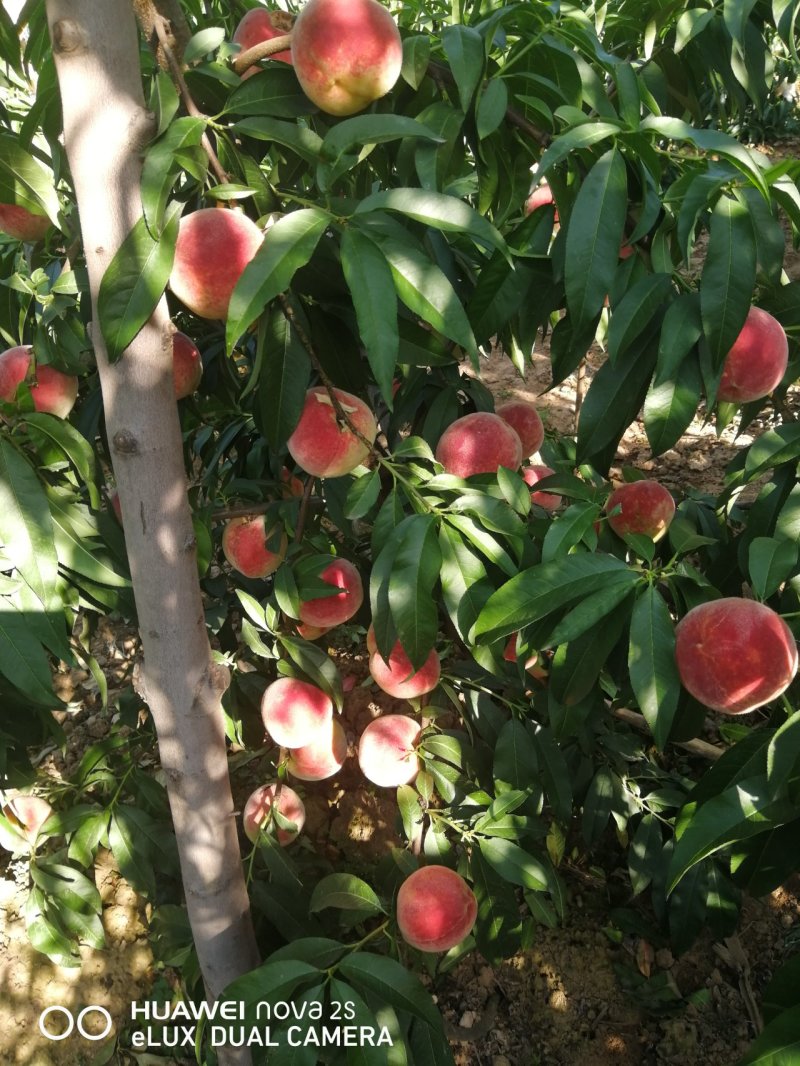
106,126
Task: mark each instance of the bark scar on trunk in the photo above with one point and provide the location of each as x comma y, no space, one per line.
69,36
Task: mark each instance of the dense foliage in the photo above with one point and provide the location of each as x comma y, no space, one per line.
399,255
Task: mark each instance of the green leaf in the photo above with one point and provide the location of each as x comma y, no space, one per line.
26,526
569,529
776,446
635,311
515,763
573,140
670,407
130,850
541,590
782,991
514,864
492,106
415,571
391,983
288,246
598,804
465,584
69,886
499,926
416,55
426,291
275,91
770,562
344,892
465,53
778,1044
729,275
783,756
363,494
371,286
22,658
712,141
435,209
554,773
76,448
319,667
272,982
135,281
681,329
737,813
354,134
591,610
24,181
300,139
644,853
651,663
594,235
283,380
160,170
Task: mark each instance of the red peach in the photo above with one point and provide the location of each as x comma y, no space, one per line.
116,506
260,24
245,543
322,447
757,361
532,475
346,53
259,805
294,712
386,752
397,676
525,421
311,632
22,224
322,758
187,366
436,909
328,611
479,443
213,248
292,486
31,812
626,251
734,655
52,392
539,197
646,507
531,663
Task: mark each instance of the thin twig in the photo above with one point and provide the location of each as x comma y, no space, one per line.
262,50
301,518
161,27
695,747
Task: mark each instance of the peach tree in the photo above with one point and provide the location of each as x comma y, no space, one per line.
343,238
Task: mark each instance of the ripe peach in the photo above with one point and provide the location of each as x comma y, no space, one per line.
323,757
436,909
757,361
295,712
52,392
245,545
540,196
478,444
292,486
524,419
346,53
734,655
386,752
260,24
28,814
531,663
397,676
328,611
533,474
259,805
187,366
22,224
646,507
322,447
311,632
213,248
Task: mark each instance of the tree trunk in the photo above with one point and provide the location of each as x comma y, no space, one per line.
106,126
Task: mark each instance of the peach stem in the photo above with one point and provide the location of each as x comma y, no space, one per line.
262,50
